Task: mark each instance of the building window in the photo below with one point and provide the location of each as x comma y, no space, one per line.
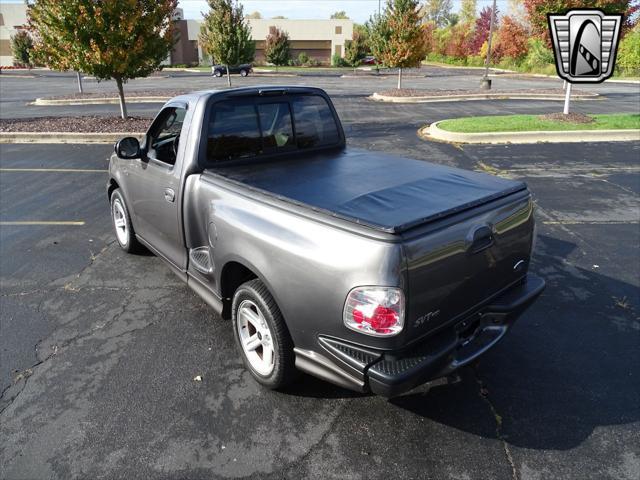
339,30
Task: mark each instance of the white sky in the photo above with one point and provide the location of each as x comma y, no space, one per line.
358,10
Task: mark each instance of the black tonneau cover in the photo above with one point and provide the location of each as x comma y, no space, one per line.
382,191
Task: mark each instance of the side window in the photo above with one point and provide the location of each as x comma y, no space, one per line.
277,129
314,121
165,135
233,131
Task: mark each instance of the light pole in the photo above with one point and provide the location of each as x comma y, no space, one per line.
486,83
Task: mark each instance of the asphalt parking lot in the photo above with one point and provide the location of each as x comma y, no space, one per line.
98,349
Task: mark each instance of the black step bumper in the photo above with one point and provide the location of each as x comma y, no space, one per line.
392,373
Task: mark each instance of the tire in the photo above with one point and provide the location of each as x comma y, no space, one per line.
273,335
121,221
243,73
217,73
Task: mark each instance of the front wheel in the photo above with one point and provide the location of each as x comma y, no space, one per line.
262,336
122,223
218,73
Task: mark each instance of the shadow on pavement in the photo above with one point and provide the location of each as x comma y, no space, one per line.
569,366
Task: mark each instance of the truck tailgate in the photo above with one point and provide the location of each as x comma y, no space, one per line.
461,262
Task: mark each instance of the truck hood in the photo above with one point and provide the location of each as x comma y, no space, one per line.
382,191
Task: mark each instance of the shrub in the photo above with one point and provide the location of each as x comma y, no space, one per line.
338,61
628,61
21,47
539,56
303,58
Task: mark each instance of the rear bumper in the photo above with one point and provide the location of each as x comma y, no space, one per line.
392,373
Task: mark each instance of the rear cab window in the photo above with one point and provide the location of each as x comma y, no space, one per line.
245,128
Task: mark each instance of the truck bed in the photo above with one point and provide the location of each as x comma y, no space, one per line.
385,192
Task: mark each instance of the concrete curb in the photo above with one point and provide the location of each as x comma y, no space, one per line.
273,74
479,96
95,101
465,67
433,132
65,137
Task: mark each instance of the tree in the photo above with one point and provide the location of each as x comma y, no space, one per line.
481,31
537,11
437,11
468,11
452,19
254,15
118,39
279,17
226,36
21,48
397,37
276,47
356,49
341,15
512,39
459,41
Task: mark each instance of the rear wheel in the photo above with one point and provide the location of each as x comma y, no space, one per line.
217,73
262,336
122,223
243,73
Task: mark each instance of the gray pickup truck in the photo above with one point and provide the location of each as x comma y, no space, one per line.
374,272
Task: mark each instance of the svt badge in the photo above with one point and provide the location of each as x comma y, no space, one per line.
584,44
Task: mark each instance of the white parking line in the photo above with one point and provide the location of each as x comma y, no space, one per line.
36,222
53,170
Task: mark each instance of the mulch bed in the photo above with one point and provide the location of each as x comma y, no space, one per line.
114,94
89,124
568,118
413,92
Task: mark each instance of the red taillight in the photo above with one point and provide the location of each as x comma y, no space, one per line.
375,311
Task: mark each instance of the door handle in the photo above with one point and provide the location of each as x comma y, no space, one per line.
169,195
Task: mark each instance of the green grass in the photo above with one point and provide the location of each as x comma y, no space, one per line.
528,123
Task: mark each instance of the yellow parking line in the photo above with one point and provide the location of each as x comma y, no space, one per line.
54,170
36,222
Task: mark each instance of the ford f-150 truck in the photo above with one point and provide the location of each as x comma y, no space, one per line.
375,272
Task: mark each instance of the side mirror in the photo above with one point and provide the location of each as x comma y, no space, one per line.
128,148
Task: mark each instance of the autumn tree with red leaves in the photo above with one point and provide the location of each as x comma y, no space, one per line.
459,44
512,39
481,31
